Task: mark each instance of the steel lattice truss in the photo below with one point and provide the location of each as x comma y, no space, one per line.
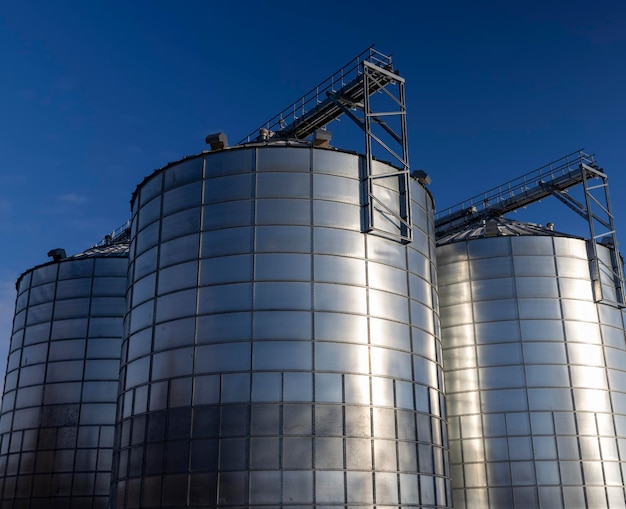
553,179
349,92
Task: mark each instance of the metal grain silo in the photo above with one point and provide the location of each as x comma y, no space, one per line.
58,408
534,370
275,355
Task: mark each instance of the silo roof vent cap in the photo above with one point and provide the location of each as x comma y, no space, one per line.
421,176
265,134
57,254
492,228
217,141
321,138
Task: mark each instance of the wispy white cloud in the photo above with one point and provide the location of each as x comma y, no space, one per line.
74,198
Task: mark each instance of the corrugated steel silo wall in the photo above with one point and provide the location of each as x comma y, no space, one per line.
534,372
58,410
275,354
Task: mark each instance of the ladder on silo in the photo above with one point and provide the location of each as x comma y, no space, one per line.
553,179
347,92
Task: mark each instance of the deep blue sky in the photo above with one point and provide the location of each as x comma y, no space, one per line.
96,95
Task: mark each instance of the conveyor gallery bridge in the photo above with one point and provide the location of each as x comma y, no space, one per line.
553,179
349,92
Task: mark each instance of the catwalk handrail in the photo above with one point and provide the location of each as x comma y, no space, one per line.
350,72
508,191
120,231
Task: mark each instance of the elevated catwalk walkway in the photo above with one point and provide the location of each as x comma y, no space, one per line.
536,185
553,179
349,91
323,103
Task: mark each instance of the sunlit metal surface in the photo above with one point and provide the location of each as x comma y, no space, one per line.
275,354
534,373
58,412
